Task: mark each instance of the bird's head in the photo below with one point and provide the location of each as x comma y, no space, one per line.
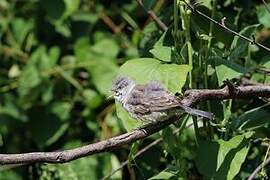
122,87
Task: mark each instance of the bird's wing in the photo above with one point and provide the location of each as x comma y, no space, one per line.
151,98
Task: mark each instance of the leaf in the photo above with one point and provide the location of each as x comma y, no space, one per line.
54,9
106,48
263,15
85,17
134,148
148,4
20,29
239,46
224,158
143,70
128,122
45,126
29,79
91,98
102,66
103,72
253,118
9,174
162,53
227,70
61,110
81,49
14,71
70,7
168,173
172,143
93,166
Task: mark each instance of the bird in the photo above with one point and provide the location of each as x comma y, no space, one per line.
150,102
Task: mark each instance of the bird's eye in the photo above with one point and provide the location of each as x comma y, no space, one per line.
117,93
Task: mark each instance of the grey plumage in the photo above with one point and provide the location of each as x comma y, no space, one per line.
150,102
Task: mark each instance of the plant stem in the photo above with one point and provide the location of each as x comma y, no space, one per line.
186,28
210,34
175,23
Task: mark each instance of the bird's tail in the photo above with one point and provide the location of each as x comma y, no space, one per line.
197,112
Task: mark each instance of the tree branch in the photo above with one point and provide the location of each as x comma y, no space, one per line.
222,25
152,14
190,98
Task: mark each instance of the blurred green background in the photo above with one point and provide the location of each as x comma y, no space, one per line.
58,59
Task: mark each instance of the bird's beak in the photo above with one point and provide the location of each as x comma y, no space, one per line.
111,95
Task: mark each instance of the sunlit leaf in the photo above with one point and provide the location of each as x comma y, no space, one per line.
226,69
224,158
143,70
162,52
168,173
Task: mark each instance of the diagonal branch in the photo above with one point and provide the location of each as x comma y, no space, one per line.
190,98
222,25
152,14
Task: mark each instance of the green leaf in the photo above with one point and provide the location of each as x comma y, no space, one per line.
128,122
263,15
82,49
91,98
168,173
53,56
148,4
103,68
227,70
85,17
224,158
162,53
45,127
70,7
134,148
93,166
62,29
20,29
9,174
106,48
61,109
143,70
239,46
54,9
29,79
253,118
103,72
172,143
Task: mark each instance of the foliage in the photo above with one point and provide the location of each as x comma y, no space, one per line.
60,57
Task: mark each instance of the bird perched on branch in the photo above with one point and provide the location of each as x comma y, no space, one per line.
150,102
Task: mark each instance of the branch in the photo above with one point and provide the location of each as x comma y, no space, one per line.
254,173
152,14
222,24
140,152
191,97
266,6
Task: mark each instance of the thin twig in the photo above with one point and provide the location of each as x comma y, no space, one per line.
222,24
191,97
152,14
266,6
254,173
140,152
109,22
